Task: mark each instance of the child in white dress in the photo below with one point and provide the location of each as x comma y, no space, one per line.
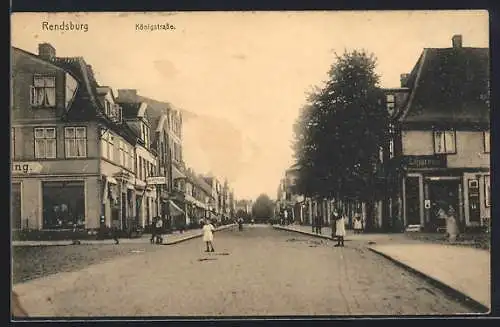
208,236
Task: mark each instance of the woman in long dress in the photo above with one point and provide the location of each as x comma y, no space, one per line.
208,236
340,230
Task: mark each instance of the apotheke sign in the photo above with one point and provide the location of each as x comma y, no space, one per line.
26,168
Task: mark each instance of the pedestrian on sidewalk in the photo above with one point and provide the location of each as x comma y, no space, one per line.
358,226
340,229
319,223
153,231
208,236
451,224
333,220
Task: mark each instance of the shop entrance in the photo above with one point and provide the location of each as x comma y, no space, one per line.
15,206
442,194
412,191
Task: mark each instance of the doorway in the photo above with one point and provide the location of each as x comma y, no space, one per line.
15,206
442,194
412,192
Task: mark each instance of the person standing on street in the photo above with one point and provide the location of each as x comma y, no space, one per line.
340,230
358,226
208,236
114,230
159,228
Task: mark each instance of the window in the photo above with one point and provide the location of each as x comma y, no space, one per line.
75,140
45,143
121,153
390,100
131,158
487,191
107,108
391,149
125,157
486,136
43,91
444,142
140,168
111,147
104,145
12,142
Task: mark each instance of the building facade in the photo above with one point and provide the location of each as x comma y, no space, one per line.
57,123
441,139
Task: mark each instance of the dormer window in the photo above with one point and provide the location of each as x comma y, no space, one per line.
43,91
145,134
107,108
391,103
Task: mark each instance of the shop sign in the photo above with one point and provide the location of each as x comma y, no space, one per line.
26,168
430,161
157,180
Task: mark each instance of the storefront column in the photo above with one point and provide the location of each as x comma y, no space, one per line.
460,205
421,197
402,200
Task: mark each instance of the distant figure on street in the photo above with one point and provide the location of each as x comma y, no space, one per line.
358,226
319,224
240,224
340,229
208,236
451,223
159,229
333,222
115,230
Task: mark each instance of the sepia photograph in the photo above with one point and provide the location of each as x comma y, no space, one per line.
250,164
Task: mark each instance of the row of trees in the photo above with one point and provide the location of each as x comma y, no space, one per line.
339,132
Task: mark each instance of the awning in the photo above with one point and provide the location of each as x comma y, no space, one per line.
111,180
176,173
130,187
174,209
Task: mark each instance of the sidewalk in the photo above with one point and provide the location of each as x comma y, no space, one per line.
326,233
463,270
169,239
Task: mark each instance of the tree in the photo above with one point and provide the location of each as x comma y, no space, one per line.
242,214
339,132
263,208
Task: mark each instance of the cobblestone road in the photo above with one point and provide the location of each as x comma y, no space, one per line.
259,271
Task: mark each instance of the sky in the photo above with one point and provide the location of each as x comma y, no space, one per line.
248,71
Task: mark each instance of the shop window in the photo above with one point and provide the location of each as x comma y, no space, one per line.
75,140
63,204
45,143
43,91
487,191
486,137
445,142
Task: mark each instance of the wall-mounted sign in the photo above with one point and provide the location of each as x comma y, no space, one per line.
157,180
430,161
26,168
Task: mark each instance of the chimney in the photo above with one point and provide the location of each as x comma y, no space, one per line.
456,41
403,79
46,51
127,95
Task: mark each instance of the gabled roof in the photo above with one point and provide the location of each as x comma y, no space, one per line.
449,85
86,105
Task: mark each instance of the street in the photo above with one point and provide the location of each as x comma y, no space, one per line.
256,272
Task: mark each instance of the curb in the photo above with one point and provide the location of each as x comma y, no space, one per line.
450,291
93,242
306,233
195,236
